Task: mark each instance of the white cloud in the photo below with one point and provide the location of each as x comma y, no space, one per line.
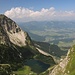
25,14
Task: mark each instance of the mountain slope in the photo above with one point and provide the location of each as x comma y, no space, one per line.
13,38
16,46
66,67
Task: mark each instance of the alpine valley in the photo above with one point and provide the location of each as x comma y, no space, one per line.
21,55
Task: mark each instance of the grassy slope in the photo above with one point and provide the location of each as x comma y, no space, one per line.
25,70
71,65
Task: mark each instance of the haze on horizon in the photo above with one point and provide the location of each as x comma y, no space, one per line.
33,10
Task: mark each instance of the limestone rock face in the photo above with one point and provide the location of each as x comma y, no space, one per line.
10,28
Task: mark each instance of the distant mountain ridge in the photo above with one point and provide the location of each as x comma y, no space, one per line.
33,25
60,33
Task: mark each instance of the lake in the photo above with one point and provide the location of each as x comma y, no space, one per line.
37,66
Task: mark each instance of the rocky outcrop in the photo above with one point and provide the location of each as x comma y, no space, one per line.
11,29
66,67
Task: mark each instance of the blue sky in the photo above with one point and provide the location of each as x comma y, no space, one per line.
37,5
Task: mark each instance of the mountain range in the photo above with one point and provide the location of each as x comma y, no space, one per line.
20,55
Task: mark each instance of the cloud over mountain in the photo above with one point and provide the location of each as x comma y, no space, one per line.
25,14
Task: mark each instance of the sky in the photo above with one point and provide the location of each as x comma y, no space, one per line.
38,10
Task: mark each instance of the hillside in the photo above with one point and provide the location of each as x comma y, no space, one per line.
51,49
66,67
